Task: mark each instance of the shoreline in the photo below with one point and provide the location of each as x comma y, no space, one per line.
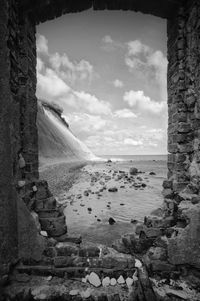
61,174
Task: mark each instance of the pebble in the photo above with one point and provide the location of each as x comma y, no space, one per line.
121,280
106,282
34,188
44,233
21,184
94,279
138,263
22,162
84,280
113,281
129,281
74,292
85,294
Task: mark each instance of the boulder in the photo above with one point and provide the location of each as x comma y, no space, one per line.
152,173
111,221
113,189
133,171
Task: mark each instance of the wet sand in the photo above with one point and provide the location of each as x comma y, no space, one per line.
89,204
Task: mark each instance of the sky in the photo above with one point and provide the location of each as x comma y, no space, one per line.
108,71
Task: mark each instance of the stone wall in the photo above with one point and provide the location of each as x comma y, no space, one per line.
8,137
183,100
18,131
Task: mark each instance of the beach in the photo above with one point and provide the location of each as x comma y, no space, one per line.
83,190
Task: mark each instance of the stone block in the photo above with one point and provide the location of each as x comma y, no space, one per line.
31,244
55,226
67,249
161,266
63,261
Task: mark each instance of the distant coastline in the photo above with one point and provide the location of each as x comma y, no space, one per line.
135,157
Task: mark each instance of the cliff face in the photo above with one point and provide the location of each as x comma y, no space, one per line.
56,141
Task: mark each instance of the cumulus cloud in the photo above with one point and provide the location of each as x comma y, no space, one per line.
152,63
53,88
108,44
40,65
42,44
69,70
136,47
86,122
107,39
50,85
138,100
118,83
56,76
130,141
91,103
125,113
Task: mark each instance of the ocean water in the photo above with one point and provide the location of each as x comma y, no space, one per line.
135,157
127,204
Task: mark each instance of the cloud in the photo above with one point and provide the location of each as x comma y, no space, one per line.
40,65
125,113
42,44
153,64
118,83
83,122
92,104
107,39
138,100
136,47
130,141
50,85
108,44
71,70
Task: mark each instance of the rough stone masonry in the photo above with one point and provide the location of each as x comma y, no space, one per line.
18,112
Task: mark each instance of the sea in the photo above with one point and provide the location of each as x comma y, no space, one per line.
135,157
125,205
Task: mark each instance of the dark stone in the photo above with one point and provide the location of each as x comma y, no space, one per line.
113,189
195,200
133,171
152,173
111,221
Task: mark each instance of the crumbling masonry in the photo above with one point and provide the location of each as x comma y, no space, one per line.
18,112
